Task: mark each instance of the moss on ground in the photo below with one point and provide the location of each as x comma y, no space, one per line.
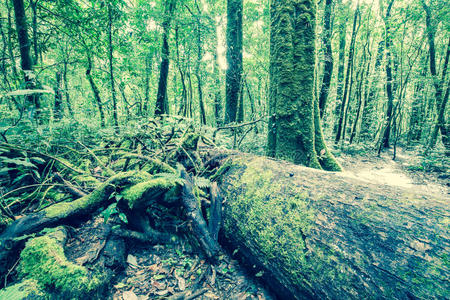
27,289
43,261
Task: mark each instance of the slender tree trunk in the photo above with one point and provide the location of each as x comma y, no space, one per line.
217,94
359,98
66,88
95,91
340,122
440,98
148,72
10,41
111,67
58,108
341,67
234,59
162,105
328,58
368,111
199,75
25,57
33,4
389,79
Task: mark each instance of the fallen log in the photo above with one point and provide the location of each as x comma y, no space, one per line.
313,234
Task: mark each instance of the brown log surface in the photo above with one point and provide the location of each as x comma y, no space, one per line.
313,234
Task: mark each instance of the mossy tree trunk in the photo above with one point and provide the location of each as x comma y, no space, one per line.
292,134
234,60
318,235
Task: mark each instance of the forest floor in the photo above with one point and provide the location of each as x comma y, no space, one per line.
178,272
400,172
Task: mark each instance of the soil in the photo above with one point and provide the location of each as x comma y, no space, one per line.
384,170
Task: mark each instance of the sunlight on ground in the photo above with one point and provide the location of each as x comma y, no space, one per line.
386,175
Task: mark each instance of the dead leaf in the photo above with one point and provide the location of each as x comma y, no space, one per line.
162,293
210,295
159,285
132,260
181,283
129,295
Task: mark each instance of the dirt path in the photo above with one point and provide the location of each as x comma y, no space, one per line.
384,170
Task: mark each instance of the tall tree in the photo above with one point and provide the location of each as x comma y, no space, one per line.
328,57
162,105
389,78
234,60
294,124
342,111
441,98
111,65
32,101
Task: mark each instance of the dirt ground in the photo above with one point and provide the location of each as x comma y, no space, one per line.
384,170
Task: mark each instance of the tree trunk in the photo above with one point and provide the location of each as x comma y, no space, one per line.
162,105
111,67
328,58
148,72
389,79
199,75
318,235
341,67
342,112
10,42
58,109
66,88
95,91
26,61
367,114
234,59
292,124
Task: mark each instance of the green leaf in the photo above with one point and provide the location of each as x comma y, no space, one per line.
123,218
18,162
112,209
19,178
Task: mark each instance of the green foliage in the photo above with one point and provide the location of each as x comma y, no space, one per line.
44,261
27,289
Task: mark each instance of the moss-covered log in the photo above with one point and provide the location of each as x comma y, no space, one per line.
136,187
313,234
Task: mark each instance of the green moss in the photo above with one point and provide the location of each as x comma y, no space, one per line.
262,213
44,261
152,189
95,198
27,289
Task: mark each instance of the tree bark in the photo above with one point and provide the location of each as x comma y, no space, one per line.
95,90
111,66
162,105
58,109
341,66
342,112
25,57
389,78
318,235
234,60
328,58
